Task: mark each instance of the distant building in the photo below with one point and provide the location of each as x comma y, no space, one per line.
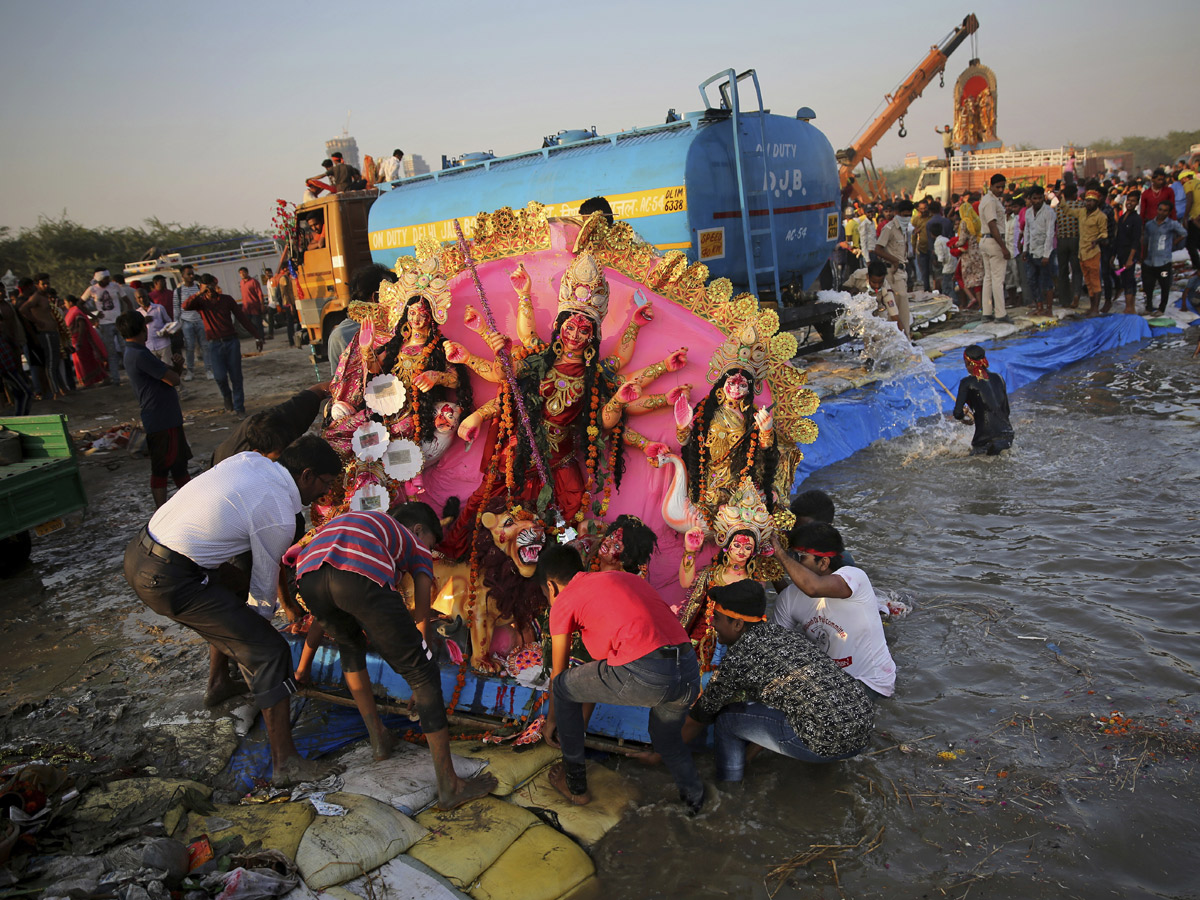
415,164
911,160
347,146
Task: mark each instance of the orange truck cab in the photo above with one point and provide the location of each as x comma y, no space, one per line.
330,246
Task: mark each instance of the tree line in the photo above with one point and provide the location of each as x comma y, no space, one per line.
70,252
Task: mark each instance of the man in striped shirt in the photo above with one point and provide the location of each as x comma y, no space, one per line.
347,575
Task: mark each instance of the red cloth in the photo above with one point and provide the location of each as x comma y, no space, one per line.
252,297
1151,198
619,616
91,357
165,299
216,314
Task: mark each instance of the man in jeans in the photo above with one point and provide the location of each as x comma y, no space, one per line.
642,657
191,323
225,350
1039,252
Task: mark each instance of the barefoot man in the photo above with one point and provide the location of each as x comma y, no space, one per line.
642,657
246,505
347,576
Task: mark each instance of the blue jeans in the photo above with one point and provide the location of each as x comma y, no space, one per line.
108,337
741,723
193,336
948,285
668,685
226,357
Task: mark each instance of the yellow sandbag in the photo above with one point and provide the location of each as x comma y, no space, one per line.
279,826
612,796
337,848
465,841
511,769
588,889
543,864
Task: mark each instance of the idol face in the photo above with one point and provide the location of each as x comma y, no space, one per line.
741,549
736,387
576,333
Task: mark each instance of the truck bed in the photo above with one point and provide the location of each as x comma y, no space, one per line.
46,484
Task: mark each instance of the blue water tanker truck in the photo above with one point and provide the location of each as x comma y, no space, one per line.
751,194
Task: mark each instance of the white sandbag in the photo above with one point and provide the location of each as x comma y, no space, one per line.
338,848
403,878
405,781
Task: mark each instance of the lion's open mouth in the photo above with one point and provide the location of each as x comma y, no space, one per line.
529,545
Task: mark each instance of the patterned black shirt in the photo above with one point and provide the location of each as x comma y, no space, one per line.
829,710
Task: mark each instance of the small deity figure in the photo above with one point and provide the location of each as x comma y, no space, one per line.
727,439
575,401
743,529
625,546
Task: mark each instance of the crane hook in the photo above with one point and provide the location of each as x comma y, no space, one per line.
942,78
903,131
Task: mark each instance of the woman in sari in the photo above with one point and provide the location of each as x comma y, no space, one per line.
91,357
970,265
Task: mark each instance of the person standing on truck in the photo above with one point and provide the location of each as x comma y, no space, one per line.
191,323
344,176
947,134
391,169
154,384
219,312
252,298
893,250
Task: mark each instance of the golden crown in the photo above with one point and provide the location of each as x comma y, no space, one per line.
743,349
584,289
745,511
420,277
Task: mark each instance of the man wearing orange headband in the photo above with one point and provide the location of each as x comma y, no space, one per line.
792,698
984,395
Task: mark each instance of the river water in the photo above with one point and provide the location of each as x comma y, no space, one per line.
1053,586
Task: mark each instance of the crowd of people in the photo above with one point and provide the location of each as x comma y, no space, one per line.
1032,246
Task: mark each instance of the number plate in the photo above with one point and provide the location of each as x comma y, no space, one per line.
49,527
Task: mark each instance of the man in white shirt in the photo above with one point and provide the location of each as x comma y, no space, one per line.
103,299
994,249
834,605
390,168
1040,267
246,505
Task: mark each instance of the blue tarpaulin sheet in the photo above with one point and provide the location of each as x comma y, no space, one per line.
850,421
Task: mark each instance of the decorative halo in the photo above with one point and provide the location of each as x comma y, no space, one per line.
402,460
370,441
385,394
370,497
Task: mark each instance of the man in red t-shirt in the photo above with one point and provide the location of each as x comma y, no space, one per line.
642,657
1158,192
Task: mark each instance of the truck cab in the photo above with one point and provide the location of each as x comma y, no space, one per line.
330,245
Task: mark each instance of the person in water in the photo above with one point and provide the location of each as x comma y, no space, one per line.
984,395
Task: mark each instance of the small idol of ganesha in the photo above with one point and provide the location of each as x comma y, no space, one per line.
575,400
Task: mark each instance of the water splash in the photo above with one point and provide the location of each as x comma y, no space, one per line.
887,352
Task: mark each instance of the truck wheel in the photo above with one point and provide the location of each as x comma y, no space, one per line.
14,552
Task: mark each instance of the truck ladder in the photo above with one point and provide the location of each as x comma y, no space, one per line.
761,256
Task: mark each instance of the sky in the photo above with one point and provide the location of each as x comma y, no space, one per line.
207,112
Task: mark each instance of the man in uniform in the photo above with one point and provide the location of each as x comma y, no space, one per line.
892,248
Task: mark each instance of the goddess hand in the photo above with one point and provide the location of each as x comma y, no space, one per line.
683,411
473,320
521,281
426,381
677,360
644,315
655,449
497,341
764,419
468,430
693,540
455,352
628,392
